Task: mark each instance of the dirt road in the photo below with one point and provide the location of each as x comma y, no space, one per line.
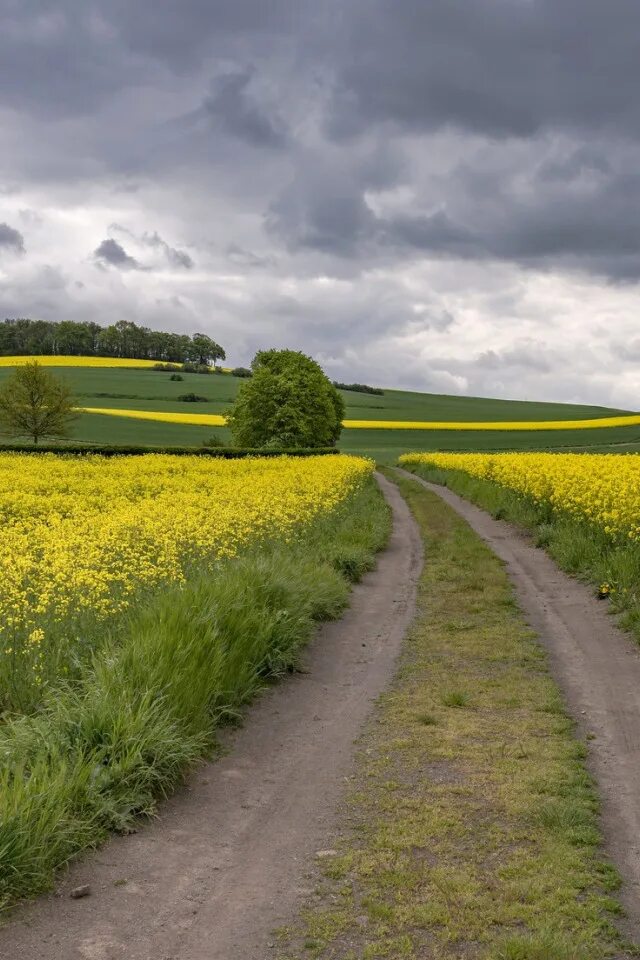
226,861
598,669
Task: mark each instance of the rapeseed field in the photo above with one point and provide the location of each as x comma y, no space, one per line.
602,489
87,538
217,420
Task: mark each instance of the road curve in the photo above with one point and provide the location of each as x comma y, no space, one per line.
225,863
598,669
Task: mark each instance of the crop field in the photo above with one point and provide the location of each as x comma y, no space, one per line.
125,393
84,539
142,600
584,507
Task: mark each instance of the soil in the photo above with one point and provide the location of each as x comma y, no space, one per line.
598,669
228,859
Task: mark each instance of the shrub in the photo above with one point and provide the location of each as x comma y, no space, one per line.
120,450
196,368
176,376
359,388
193,398
243,372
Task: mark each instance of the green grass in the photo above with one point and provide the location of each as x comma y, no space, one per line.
582,549
100,753
470,827
151,390
407,405
385,446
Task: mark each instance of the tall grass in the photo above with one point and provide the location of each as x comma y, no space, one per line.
104,750
580,548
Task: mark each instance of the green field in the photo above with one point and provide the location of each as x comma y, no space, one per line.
152,390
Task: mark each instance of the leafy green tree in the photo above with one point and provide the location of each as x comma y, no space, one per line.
288,402
203,350
35,404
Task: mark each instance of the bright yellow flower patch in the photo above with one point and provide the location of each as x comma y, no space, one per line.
67,361
603,489
216,420
83,537
194,419
626,421
64,361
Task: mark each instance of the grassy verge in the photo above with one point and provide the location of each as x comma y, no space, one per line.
580,549
103,751
470,830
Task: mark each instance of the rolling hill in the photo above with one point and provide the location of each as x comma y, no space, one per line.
133,389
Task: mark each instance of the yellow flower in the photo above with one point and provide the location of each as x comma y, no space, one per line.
84,538
601,489
217,420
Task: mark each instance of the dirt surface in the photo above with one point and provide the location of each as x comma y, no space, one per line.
598,669
226,861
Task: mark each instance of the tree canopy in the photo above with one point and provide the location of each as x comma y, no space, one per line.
35,404
24,337
288,402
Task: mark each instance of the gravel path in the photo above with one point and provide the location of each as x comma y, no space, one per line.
226,861
598,669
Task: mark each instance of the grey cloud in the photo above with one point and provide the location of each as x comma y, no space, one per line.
494,67
82,52
436,233
112,253
11,239
176,258
332,218
247,258
432,318
346,159
527,356
234,107
74,62
628,351
180,34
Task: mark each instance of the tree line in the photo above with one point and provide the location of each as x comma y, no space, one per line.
24,337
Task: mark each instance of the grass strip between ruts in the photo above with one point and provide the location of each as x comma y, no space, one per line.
470,828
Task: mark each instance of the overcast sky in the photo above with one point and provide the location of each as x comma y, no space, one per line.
431,194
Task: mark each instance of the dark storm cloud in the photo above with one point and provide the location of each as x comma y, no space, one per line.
493,67
435,233
11,239
178,33
328,166
333,221
80,52
112,253
233,108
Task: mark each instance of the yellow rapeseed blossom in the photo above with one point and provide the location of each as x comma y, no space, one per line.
195,419
626,421
216,420
68,361
603,489
83,537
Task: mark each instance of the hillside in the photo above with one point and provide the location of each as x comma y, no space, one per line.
149,390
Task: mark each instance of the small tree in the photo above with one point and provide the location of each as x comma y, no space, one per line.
35,404
288,402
